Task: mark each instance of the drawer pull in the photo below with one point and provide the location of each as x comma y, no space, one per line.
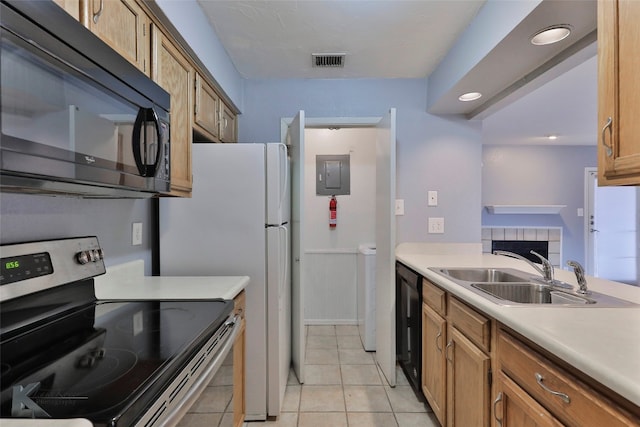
564,397
495,412
446,351
437,346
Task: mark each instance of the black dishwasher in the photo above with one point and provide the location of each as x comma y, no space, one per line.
409,325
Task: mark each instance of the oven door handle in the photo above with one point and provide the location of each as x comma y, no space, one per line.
173,418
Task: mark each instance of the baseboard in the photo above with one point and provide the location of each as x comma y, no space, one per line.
331,322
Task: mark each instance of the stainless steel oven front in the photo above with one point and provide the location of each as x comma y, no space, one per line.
66,355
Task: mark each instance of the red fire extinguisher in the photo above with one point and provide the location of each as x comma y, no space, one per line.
333,212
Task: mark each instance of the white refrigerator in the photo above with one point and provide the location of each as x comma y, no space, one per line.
237,223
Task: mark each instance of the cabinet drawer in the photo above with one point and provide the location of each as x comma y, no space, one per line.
577,405
239,304
472,324
434,297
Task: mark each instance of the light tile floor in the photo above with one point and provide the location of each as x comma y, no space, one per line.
345,388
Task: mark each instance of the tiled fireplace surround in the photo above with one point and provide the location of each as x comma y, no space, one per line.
553,235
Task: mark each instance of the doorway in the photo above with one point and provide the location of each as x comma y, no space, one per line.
611,230
292,133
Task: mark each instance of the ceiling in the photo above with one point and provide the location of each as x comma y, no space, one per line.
529,91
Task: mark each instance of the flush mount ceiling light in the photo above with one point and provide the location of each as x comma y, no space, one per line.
552,137
551,34
470,96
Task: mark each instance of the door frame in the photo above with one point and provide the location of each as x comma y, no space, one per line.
589,210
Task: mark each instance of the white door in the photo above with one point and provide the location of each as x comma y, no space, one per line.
385,246
612,214
295,139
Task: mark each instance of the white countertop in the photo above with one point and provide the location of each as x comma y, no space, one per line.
604,343
127,281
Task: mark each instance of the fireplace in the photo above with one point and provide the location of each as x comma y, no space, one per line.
547,241
523,248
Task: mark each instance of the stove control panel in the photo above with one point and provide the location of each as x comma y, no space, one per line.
30,267
14,269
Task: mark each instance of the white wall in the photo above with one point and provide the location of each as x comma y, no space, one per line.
331,253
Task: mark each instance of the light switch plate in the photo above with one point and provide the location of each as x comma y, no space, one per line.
436,225
136,233
432,198
399,206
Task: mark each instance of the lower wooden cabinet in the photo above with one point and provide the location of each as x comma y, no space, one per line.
434,364
239,363
513,407
72,7
468,387
542,382
456,360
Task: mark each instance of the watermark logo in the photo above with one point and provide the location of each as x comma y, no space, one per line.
21,404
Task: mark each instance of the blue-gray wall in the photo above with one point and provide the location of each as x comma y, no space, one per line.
545,175
433,153
25,217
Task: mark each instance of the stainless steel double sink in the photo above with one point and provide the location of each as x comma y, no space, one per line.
508,286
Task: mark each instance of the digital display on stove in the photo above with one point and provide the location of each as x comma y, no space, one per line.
15,269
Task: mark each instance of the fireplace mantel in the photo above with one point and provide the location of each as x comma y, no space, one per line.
525,209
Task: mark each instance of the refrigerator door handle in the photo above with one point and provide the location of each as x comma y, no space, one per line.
286,251
283,192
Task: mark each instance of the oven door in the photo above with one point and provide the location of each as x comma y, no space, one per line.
65,119
204,386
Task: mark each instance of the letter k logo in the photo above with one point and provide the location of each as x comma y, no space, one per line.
22,406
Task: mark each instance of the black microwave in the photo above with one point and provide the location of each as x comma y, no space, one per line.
76,118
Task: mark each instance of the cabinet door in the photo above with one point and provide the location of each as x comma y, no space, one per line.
174,73
468,388
207,109
124,26
72,7
513,407
618,90
434,364
228,125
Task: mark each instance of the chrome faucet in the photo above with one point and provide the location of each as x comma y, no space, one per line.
582,282
546,271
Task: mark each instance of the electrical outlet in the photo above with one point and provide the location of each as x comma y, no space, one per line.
432,198
436,225
136,233
399,206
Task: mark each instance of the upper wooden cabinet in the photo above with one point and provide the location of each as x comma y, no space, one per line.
227,125
123,25
207,109
173,72
72,7
618,92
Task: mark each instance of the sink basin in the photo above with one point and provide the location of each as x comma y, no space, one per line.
485,274
508,286
531,293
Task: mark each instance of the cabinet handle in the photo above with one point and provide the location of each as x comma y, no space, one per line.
495,412
446,351
96,16
539,379
609,148
438,336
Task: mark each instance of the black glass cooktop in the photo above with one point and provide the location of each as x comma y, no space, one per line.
106,361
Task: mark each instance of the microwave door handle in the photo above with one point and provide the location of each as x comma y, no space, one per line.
136,140
144,116
152,116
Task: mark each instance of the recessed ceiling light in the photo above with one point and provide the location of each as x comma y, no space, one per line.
551,34
469,96
552,137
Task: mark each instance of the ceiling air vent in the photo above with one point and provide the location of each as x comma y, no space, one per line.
330,60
